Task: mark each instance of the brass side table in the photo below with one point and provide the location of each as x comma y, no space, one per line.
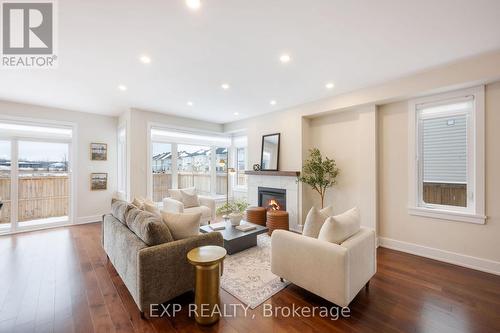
208,261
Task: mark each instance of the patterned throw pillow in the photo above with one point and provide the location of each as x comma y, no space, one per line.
149,228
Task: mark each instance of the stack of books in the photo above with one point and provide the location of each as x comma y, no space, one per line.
245,227
218,226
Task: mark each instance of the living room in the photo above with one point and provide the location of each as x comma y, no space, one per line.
238,166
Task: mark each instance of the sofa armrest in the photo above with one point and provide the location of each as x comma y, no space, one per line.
315,265
164,271
362,259
173,206
210,203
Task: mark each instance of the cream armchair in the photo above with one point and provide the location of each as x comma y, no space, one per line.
334,272
206,208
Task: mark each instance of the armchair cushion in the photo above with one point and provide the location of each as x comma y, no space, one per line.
337,229
315,220
172,205
190,199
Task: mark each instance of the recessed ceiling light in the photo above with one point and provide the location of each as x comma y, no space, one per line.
273,102
193,4
284,58
329,85
236,114
225,86
145,59
189,103
122,87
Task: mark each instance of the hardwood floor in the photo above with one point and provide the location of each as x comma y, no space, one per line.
59,280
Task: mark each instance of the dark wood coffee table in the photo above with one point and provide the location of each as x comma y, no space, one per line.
234,239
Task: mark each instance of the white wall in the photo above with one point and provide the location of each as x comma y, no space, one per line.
90,205
349,138
478,245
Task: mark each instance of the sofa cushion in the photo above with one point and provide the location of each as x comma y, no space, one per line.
315,219
203,210
149,228
119,209
190,199
337,229
182,225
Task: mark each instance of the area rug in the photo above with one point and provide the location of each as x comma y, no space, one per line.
247,274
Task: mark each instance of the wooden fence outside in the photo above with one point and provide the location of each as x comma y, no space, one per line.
162,182
38,196
445,194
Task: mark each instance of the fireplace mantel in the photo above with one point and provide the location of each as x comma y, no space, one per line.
273,173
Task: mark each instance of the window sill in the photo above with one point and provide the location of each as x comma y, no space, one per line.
239,189
447,215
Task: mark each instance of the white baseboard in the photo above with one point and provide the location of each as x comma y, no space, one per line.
88,219
484,265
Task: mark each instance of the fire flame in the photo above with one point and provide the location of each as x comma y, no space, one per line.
273,205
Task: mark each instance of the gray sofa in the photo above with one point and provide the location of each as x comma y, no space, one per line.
152,265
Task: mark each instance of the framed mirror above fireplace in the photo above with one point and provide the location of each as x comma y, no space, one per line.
270,153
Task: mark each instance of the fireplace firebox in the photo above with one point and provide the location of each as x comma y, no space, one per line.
272,198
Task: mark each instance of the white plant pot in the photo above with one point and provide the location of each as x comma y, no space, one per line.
235,218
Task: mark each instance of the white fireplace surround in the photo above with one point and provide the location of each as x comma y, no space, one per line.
288,183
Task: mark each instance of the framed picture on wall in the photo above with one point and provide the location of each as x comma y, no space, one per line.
98,151
98,181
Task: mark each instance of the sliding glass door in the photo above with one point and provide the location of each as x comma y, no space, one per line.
35,176
43,183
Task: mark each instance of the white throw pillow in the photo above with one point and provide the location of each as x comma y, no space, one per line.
175,194
182,225
315,219
337,229
190,199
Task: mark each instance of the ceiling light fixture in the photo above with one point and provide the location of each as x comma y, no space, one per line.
189,103
145,59
122,87
329,85
236,114
285,58
193,4
225,86
273,102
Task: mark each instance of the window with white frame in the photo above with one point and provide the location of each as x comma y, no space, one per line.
447,156
241,162
181,159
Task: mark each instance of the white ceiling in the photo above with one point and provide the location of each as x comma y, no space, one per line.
351,43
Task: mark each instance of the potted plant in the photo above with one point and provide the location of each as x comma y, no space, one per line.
233,210
318,173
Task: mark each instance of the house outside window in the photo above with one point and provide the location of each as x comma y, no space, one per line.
446,144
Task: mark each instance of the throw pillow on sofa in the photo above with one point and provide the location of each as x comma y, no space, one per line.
151,207
315,219
119,209
182,225
138,202
337,229
149,228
